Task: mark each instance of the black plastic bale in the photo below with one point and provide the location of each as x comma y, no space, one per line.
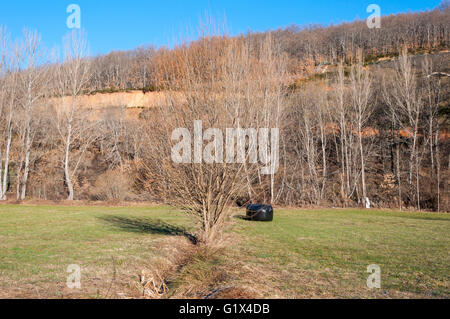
261,213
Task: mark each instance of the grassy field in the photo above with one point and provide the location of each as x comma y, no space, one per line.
302,254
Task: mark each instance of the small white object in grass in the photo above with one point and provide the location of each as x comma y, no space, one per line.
367,202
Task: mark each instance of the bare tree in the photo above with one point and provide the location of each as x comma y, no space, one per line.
404,97
220,89
310,140
8,95
407,96
360,85
340,114
33,84
71,119
432,97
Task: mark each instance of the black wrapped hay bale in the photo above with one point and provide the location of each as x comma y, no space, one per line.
261,213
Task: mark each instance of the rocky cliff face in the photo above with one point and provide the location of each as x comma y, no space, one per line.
130,102
130,99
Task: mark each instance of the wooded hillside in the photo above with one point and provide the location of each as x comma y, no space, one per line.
362,113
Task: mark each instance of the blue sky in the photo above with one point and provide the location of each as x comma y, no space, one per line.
126,24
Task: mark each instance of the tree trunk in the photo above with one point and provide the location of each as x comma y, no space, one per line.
66,163
4,186
438,169
398,178
363,169
27,164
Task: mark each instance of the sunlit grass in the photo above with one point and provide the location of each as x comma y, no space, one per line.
302,253
412,249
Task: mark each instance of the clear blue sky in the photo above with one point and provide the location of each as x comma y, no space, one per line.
126,24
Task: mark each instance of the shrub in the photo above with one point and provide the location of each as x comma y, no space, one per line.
112,185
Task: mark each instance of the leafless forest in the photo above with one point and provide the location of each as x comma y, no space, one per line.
362,113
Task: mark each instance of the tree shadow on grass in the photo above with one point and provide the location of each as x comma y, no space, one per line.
147,226
242,217
427,218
